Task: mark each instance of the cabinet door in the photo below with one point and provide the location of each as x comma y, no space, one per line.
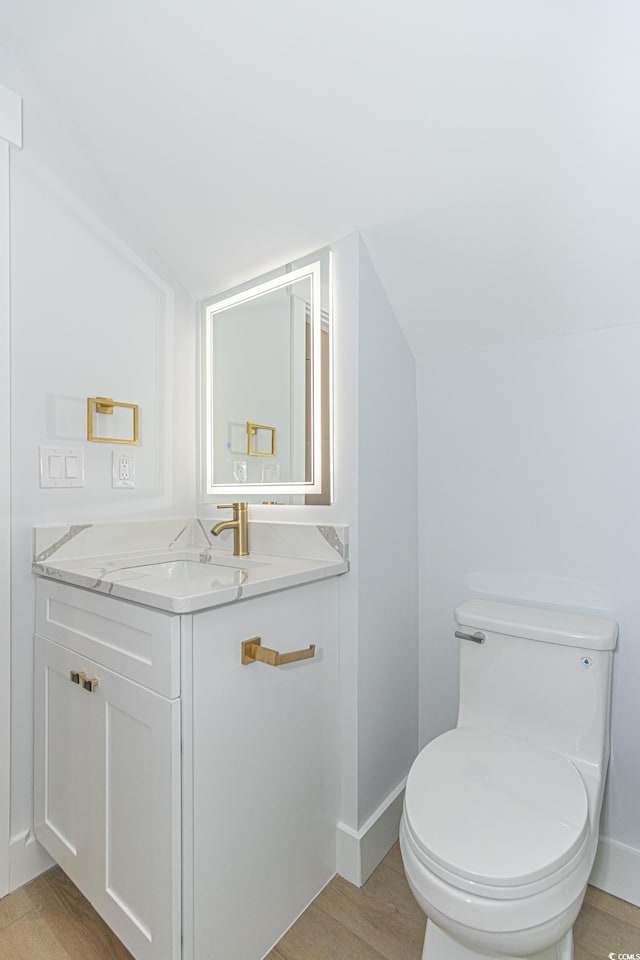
264,770
63,775
136,841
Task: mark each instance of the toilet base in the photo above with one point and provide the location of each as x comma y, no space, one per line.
438,945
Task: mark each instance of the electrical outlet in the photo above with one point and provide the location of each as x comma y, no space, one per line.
124,470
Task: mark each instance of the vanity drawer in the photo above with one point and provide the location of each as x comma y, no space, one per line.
137,642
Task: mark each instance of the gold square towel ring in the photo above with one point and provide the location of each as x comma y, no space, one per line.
104,405
253,439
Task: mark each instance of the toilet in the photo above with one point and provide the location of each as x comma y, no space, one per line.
500,822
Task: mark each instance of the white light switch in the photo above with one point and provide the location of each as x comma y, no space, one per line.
61,467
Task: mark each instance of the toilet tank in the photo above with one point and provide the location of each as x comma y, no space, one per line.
540,675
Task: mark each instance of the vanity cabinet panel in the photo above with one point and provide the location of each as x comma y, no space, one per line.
136,841
140,643
107,794
264,770
62,787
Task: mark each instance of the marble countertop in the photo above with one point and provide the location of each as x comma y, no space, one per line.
186,574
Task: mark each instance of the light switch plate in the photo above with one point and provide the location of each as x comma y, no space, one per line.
61,467
124,469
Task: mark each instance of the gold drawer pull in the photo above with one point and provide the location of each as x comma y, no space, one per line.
252,651
80,677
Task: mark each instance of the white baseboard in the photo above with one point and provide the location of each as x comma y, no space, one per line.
617,870
359,852
27,859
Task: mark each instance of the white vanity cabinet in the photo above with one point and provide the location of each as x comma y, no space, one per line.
193,799
107,759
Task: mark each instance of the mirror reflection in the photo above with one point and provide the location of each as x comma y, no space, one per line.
266,390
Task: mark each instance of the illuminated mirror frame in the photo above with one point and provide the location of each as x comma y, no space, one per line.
213,491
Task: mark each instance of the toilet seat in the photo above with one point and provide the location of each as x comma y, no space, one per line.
494,815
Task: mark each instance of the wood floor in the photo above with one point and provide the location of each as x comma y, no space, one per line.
49,919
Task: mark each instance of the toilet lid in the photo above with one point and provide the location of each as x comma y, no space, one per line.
495,810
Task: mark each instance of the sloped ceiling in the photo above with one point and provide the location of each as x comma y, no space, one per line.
488,150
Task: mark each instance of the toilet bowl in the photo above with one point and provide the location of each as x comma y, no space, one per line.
500,823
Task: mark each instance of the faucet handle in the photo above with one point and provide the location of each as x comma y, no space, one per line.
242,505
225,506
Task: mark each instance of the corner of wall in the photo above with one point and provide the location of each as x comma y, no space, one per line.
388,577
360,851
617,870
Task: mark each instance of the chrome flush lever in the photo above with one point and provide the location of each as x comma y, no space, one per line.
477,637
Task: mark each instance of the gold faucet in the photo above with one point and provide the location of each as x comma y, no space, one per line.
239,525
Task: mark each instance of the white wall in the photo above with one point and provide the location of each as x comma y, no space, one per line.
529,480
10,134
524,222
93,313
375,467
5,520
387,548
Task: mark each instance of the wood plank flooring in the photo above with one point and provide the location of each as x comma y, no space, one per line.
49,919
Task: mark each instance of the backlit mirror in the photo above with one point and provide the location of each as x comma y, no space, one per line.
266,388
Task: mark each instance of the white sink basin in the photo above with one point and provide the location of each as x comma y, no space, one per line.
182,571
